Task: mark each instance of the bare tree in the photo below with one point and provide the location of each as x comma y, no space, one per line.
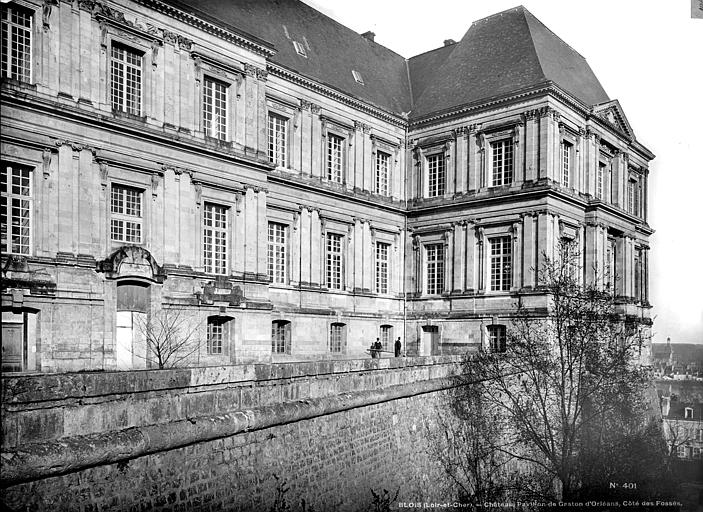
172,336
564,395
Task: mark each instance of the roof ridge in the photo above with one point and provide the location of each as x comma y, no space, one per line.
553,33
433,50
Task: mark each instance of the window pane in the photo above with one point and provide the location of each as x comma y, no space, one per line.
502,152
277,252
436,175
16,43
382,267
215,239
126,209
277,139
382,166
434,255
17,207
501,263
215,109
126,80
334,157
334,261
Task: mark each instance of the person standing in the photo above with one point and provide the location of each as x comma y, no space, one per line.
398,345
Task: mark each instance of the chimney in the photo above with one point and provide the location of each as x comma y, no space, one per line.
449,42
368,35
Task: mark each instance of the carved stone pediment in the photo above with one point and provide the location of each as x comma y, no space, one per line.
613,114
132,261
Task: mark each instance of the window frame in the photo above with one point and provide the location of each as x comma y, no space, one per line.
210,265
141,54
497,338
382,186
7,9
330,137
385,334
124,217
382,267
506,177
272,265
434,282
342,342
281,346
208,78
280,161
499,282
9,197
440,170
567,162
225,323
329,260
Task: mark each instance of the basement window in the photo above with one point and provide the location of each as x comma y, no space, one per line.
300,49
357,77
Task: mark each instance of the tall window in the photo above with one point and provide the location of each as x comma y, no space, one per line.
610,263
386,336
277,252
16,209
639,275
633,199
334,261
599,181
436,175
502,160
382,267
434,262
126,218
215,109
382,167
16,44
565,163
497,338
277,139
280,337
335,160
217,330
126,80
215,239
501,263
337,337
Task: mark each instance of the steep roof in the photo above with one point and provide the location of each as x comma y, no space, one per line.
332,49
501,54
505,53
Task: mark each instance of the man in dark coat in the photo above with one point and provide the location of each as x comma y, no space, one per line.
397,347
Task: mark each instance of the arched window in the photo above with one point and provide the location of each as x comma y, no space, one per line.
338,338
386,335
280,337
219,329
497,338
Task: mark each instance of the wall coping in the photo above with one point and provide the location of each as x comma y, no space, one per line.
19,389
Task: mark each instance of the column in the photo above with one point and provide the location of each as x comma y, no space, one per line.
318,144
305,246
517,256
532,145
251,109
369,257
262,235
294,249
470,246
317,249
261,119
529,244
358,231
306,139
250,233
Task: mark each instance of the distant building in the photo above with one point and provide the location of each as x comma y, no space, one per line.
678,360
683,426
294,188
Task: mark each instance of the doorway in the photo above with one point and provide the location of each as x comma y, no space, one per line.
429,343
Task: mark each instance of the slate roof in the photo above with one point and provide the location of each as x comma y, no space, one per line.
677,411
499,55
505,53
333,50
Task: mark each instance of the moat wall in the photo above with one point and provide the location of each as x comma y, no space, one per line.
225,438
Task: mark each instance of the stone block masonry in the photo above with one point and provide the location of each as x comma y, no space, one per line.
224,438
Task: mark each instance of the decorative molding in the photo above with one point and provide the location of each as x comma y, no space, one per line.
47,8
46,156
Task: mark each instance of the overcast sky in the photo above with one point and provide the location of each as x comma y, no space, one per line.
648,54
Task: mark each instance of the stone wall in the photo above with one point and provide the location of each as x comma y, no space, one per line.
230,438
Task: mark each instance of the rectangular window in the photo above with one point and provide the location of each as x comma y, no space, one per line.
215,109
126,218
599,181
337,337
16,43
335,160
382,168
215,334
382,267
497,338
277,252
436,175
502,160
434,259
278,126
16,209
565,163
501,263
215,239
334,261
638,274
126,80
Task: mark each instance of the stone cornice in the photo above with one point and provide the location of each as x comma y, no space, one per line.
334,94
250,43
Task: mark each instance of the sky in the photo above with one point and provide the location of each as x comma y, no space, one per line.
648,54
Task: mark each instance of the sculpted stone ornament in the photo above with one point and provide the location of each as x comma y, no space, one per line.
132,261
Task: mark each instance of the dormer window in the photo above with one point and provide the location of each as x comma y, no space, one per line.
300,49
357,77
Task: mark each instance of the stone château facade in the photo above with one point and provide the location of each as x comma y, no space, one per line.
292,188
